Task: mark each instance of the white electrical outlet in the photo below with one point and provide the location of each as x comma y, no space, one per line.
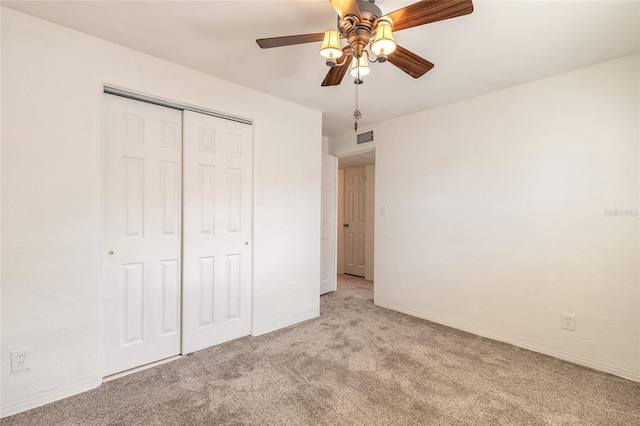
568,322
20,360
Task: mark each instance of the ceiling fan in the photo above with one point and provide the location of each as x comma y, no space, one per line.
362,25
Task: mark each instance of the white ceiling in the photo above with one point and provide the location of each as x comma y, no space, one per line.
501,44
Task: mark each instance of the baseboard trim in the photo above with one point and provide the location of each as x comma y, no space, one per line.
557,353
268,328
45,398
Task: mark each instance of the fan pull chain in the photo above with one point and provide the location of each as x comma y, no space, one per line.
356,113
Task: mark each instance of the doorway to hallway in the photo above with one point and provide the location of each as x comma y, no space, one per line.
356,214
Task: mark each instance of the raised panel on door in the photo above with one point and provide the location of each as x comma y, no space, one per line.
205,188
170,293
204,289
217,231
233,286
355,220
132,206
350,254
132,293
170,199
360,252
141,233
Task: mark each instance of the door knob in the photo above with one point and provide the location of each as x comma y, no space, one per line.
346,225
246,243
110,252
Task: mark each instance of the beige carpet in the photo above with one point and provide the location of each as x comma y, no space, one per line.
356,364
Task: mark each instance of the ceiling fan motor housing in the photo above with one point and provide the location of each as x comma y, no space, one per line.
358,31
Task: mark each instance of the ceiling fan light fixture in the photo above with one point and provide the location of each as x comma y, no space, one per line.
383,43
362,64
331,45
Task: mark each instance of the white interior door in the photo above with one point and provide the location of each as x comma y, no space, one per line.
355,220
328,265
217,231
141,234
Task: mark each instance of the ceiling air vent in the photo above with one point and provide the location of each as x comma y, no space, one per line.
365,137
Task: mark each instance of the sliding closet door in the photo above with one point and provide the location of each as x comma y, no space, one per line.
141,233
217,231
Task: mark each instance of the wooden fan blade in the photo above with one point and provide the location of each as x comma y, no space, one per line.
409,62
336,74
267,43
427,11
346,7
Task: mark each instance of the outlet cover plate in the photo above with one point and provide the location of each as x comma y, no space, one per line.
568,322
20,360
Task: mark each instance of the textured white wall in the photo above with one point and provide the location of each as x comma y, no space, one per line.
369,258
325,145
340,221
1,9
51,114
497,215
